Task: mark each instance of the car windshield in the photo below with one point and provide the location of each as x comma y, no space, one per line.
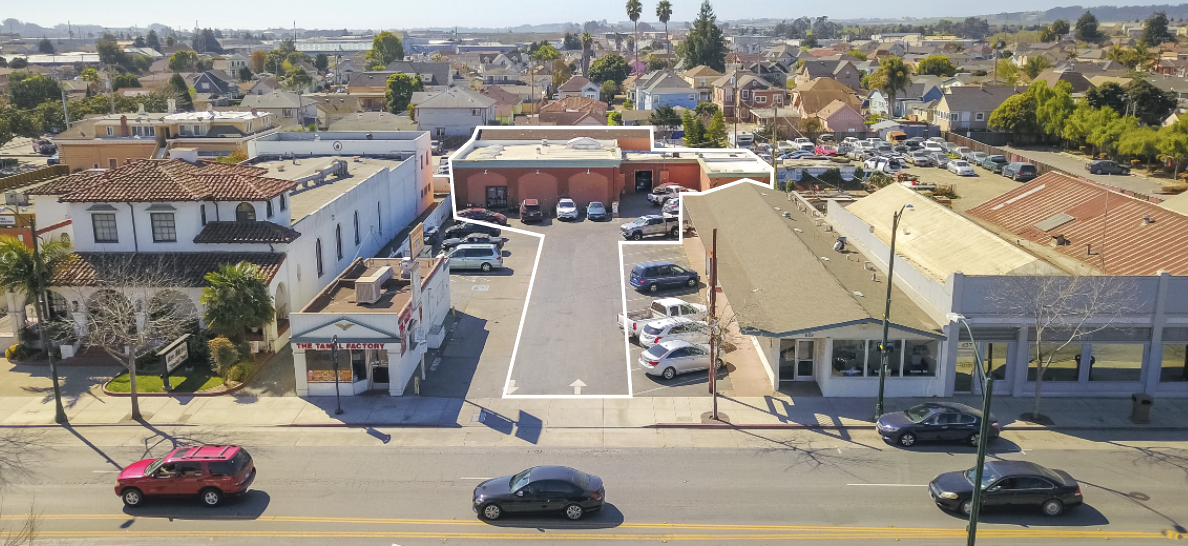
520,480
597,207
639,221
153,466
565,204
989,476
918,413
656,352
961,163
652,330
532,208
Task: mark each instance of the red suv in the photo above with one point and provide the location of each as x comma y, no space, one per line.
209,472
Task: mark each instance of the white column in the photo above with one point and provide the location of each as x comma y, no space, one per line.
16,312
299,372
397,379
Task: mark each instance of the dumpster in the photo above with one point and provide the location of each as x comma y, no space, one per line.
1140,413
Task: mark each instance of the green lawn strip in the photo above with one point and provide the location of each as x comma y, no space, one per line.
183,379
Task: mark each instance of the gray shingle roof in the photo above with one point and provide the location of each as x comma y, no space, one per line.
456,98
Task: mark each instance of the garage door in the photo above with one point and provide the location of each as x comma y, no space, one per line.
542,187
584,188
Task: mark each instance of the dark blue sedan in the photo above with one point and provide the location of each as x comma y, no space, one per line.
652,276
934,421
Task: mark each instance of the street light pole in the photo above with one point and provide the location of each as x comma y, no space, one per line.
885,354
334,358
983,433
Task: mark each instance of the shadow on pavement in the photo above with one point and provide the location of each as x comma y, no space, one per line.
249,506
1139,499
93,447
1084,515
607,518
452,369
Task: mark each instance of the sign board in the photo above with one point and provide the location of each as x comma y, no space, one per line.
416,241
175,353
7,220
351,346
327,376
966,359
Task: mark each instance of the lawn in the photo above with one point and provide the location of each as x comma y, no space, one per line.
183,379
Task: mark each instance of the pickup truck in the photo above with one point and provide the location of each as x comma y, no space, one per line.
660,309
650,226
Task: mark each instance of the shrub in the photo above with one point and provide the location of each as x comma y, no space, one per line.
223,355
16,352
241,372
879,179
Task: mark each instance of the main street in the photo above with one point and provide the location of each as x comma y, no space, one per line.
413,487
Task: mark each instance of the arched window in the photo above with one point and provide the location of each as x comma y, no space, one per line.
245,212
268,208
338,240
282,202
356,228
318,255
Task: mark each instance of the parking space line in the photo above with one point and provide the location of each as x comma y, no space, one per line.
523,314
626,334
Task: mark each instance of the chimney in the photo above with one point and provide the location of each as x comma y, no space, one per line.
140,109
124,126
171,106
254,112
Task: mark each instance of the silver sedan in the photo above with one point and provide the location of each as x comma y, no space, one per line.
670,358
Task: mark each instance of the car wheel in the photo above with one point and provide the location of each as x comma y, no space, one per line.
485,267
721,364
132,497
907,439
637,236
1053,507
491,512
574,512
212,497
691,283
967,507
653,288
674,231
669,373
973,439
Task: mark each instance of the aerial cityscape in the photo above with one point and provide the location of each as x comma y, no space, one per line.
541,273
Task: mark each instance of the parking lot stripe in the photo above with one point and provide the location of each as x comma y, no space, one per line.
524,314
626,335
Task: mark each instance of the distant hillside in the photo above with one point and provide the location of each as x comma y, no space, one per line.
1116,13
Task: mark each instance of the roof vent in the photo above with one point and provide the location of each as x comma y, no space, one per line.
1147,220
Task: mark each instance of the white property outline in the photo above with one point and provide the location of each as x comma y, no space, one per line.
540,249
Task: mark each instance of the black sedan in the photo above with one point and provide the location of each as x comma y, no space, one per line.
1008,483
540,489
484,215
464,229
474,238
934,421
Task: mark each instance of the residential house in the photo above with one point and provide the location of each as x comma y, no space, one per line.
288,109
968,108
701,78
435,75
263,86
578,86
734,89
772,72
572,111
507,104
497,74
231,64
1080,84
454,112
918,92
842,71
214,82
332,107
373,122
840,117
371,88
664,87
810,98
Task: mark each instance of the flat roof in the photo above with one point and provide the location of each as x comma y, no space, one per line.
580,148
305,201
216,115
339,297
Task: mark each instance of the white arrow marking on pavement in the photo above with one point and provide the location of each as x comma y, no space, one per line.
577,386
511,386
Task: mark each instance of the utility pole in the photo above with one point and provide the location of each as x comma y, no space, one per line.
713,323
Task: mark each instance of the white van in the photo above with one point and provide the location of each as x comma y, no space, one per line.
475,256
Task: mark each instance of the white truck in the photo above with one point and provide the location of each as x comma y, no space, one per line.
660,309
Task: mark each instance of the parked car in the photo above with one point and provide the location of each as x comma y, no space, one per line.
765,157
652,276
670,358
994,163
960,167
1008,483
940,159
483,215
484,257
975,158
920,159
671,207
1019,171
462,229
597,211
674,329
934,421
53,160
660,309
540,489
931,146
664,192
474,238
650,226
961,151
885,164
1105,166
44,145
208,472
530,211
826,139
567,209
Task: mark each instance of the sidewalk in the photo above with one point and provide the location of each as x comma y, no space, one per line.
505,414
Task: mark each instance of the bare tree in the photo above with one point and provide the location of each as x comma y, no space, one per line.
26,533
1062,310
131,313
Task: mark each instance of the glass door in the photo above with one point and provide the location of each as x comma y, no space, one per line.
804,359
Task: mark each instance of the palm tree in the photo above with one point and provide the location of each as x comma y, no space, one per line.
587,50
237,298
634,10
892,77
664,12
22,271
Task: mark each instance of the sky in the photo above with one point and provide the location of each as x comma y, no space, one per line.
358,14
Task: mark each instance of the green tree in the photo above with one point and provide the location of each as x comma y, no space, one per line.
561,72
936,65
665,116
1047,34
1155,30
892,77
183,61
694,129
178,90
1036,64
1015,115
245,74
1140,143
139,42
29,89
634,10
656,63
1151,105
715,134
612,67
705,44
21,272
1007,71
236,299
259,58
610,89
1086,28
587,51
1173,144
123,81
1060,27
110,52
857,54
152,41
322,62
1107,94
706,109
614,118
45,47
385,48
298,79
400,91
1053,106
664,13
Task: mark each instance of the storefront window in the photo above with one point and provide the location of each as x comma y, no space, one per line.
996,355
894,357
1065,362
319,366
1116,362
787,359
1175,363
920,358
849,357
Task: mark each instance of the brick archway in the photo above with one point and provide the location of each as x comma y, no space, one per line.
476,188
542,187
584,188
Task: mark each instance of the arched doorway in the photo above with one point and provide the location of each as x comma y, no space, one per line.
173,303
281,300
486,190
111,311
542,187
584,188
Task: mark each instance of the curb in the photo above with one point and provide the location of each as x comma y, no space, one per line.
703,426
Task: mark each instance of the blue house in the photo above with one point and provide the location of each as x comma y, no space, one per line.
916,92
664,87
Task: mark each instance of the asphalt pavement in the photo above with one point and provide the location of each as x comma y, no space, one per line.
321,487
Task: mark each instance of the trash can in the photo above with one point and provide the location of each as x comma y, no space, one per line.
615,209
1141,412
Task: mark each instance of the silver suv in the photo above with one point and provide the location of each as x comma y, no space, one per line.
475,256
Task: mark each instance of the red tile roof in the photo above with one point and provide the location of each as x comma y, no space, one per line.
1105,221
156,180
185,269
246,232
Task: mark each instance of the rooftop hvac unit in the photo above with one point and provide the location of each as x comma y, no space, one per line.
370,289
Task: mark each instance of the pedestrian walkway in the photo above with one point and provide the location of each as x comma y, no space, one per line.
506,414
